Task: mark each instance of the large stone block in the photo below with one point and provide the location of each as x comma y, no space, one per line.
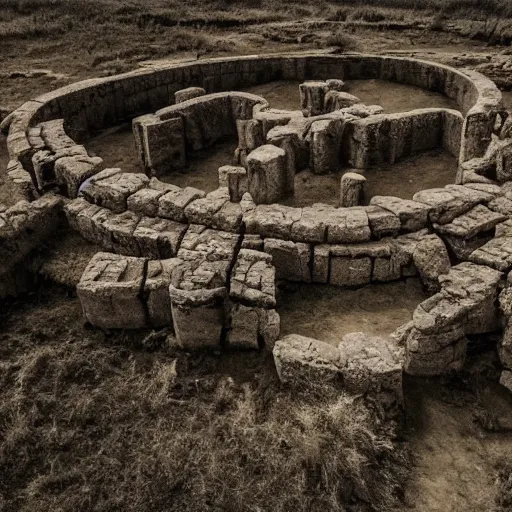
199,317
110,292
71,172
267,174
325,145
163,146
159,238
156,291
373,367
312,97
291,260
307,363
111,188
431,259
413,215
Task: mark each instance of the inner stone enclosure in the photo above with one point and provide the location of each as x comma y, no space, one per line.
297,203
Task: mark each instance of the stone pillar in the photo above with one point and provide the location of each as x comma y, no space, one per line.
267,174
235,178
188,94
312,95
504,161
352,189
250,137
297,156
199,316
325,146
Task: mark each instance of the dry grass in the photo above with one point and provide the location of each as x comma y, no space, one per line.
504,494
93,423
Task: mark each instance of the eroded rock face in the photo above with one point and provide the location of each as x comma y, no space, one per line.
431,259
466,304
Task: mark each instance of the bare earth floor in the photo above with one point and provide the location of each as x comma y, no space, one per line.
328,313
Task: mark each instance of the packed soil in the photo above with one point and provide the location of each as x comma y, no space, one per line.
328,313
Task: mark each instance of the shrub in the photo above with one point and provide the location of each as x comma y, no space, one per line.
368,14
342,41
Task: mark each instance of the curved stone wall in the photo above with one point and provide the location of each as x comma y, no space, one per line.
95,104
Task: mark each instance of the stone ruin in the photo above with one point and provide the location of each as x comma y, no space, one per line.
207,264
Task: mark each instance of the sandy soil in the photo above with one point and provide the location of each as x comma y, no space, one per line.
455,458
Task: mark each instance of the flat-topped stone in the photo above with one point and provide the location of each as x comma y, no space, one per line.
413,215
112,187
477,220
373,365
110,292
306,362
496,253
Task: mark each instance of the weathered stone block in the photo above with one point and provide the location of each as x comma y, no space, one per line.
291,260
307,363
352,189
188,94
110,292
267,174
373,367
111,188
413,215
431,259
158,238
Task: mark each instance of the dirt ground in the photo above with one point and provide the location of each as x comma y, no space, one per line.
459,429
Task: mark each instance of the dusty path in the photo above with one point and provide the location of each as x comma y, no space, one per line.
455,467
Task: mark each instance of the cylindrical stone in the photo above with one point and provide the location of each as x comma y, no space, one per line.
267,174
352,189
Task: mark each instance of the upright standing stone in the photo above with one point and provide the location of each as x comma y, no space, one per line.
267,174
352,189
163,146
235,179
325,152
312,95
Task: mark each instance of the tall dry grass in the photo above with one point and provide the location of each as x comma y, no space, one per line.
95,424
